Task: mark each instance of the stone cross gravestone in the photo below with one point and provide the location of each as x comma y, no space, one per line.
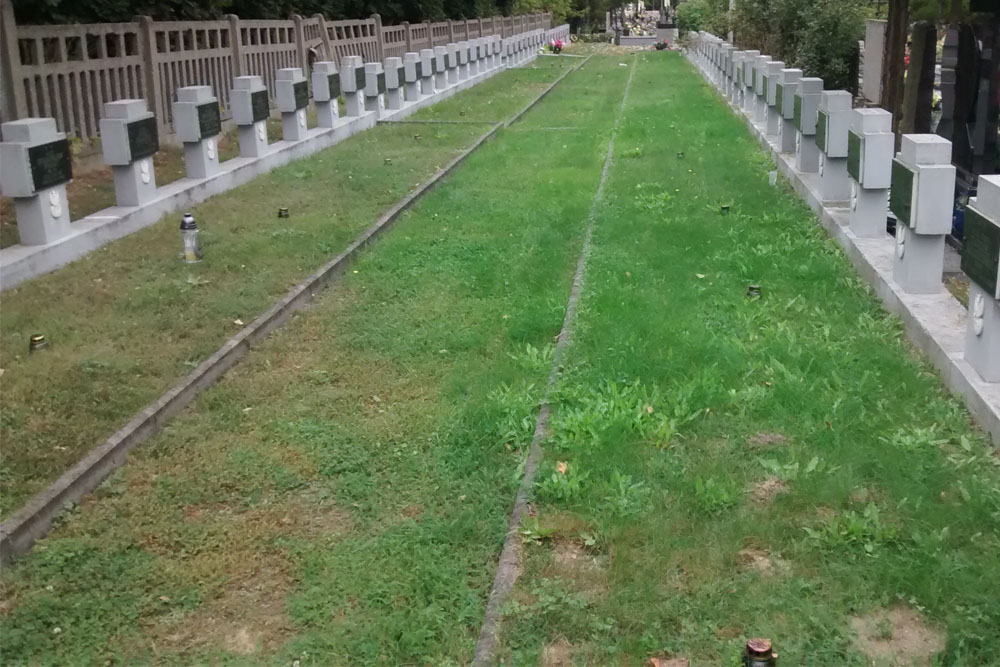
870,144
807,98
395,79
788,83
375,87
922,196
326,90
832,121
352,85
427,71
250,107
746,78
129,139
463,60
35,165
452,62
760,89
198,124
981,262
771,77
497,49
411,68
292,92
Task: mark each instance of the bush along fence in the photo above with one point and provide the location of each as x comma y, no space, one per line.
842,161
69,72
36,156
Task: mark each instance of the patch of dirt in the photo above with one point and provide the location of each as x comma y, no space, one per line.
572,562
558,653
657,661
248,616
861,496
898,636
413,511
767,490
761,561
765,440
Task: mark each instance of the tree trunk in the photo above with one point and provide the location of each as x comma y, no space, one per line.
897,27
918,91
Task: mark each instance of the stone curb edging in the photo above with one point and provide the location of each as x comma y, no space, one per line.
509,565
934,323
19,532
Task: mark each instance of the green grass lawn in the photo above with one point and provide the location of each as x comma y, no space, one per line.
343,494
784,467
127,321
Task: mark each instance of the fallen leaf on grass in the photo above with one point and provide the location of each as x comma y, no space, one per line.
238,323
562,467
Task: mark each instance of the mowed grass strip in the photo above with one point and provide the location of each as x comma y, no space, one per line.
723,467
129,320
342,496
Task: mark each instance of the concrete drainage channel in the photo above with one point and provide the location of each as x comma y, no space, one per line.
32,521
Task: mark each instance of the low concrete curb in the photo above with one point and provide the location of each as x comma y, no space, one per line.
32,521
935,323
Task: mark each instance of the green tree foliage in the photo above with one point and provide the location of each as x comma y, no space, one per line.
710,15
828,46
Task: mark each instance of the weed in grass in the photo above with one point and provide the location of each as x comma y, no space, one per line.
626,498
561,483
714,496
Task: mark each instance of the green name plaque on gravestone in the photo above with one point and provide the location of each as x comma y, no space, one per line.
209,120
50,164
753,77
401,75
797,113
854,155
419,67
143,138
301,89
433,62
764,85
359,79
380,82
821,130
779,98
901,195
333,83
981,251
260,105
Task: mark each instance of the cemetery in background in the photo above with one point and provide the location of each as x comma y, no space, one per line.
68,72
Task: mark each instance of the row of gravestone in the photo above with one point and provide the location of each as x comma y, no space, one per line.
35,160
853,152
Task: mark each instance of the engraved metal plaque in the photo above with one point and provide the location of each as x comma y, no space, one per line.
380,82
359,79
143,138
50,164
797,113
260,105
419,67
333,83
981,251
209,120
901,195
301,89
779,98
821,130
854,155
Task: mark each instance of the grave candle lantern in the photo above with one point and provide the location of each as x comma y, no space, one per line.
807,98
129,139
923,189
293,98
35,165
981,262
326,90
191,251
250,107
788,83
198,124
352,85
832,120
870,143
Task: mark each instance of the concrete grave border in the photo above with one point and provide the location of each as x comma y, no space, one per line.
32,521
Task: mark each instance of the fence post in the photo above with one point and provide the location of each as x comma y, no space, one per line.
11,90
406,34
236,43
380,38
480,22
430,35
151,73
327,46
300,43
451,31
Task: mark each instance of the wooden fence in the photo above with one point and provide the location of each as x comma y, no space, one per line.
68,72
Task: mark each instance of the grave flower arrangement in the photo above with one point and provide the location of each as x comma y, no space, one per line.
556,45
662,45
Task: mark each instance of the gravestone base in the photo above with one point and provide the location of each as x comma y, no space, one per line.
201,158
463,71
135,184
394,98
412,91
44,218
834,183
326,113
759,110
982,349
868,213
353,104
426,86
786,136
918,261
375,103
293,125
441,80
253,139
473,67
807,154
452,76
773,122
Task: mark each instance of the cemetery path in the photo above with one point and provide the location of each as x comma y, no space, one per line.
718,466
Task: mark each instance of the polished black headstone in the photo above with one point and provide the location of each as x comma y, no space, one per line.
333,82
854,155
301,89
797,113
821,130
50,164
380,82
359,78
